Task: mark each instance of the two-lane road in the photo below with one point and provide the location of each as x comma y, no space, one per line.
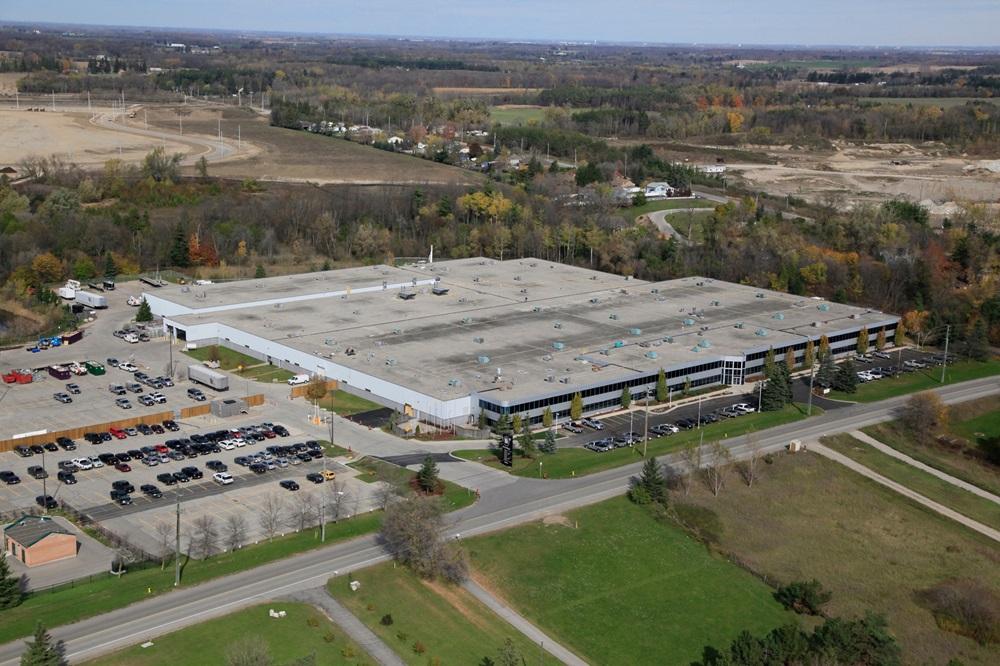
519,502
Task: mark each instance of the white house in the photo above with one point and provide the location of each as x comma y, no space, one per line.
658,190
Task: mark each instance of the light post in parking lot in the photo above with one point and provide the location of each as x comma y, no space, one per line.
177,539
45,493
944,364
812,376
645,429
699,412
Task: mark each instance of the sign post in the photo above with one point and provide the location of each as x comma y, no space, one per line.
507,449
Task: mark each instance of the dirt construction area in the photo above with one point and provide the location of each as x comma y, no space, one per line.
851,174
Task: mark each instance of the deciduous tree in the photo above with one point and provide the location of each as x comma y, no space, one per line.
576,407
925,415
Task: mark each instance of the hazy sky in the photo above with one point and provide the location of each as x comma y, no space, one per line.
858,22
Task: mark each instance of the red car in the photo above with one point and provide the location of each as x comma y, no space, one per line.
117,433
161,448
122,467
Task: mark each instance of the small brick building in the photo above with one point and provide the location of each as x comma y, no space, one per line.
37,540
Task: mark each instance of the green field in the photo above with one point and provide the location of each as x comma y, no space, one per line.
979,427
266,373
808,517
373,469
302,633
669,204
74,602
569,462
967,418
920,380
228,358
346,404
517,116
822,63
453,626
618,587
943,102
915,479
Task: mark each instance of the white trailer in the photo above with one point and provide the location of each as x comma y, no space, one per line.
69,293
208,377
91,300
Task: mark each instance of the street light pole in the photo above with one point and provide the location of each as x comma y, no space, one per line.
699,412
45,493
944,365
812,375
177,540
645,428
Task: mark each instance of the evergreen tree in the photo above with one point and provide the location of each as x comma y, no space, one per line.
652,484
977,345
547,417
144,313
42,651
10,586
827,370
516,423
502,424
576,407
179,254
527,442
863,340
810,357
846,378
777,391
260,272
427,476
626,398
110,267
548,444
661,386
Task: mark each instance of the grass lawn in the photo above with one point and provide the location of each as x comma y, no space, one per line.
266,373
303,632
966,417
618,587
568,462
228,358
71,603
517,115
453,626
373,469
808,517
979,427
669,204
921,380
929,486
345,404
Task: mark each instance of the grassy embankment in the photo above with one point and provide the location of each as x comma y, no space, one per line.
302,633
568,462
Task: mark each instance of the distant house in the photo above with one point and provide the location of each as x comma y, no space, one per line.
8,171
37,540
658,190
714,169
394,140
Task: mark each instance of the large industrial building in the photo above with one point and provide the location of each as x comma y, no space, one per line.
453,338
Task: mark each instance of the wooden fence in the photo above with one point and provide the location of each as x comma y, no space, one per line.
77,433
300,390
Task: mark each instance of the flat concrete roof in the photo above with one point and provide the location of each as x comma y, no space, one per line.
558,326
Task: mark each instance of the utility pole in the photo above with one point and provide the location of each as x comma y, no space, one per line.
322,502
88,102
45,492
645,428
944,366
812,375
177,541
239,140
699,412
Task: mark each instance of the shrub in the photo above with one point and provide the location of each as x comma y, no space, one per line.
386,620
965,607
804,597
329,637
312,622
419,647
402,635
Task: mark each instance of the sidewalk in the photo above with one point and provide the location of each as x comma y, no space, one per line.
532,632
352,626
889,451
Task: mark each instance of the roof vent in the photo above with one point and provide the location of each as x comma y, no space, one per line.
778,315
605,352
635,331
688,321
613,316
478,341
564,380
651,354
454,382
761,332
558,324
739,324
547,357
390,361
550,378
328,342
558,346
536,309
816,324
397,331
705,343
654,290
466,320
760,294
669,339
483,360
595,300
695,349
823,307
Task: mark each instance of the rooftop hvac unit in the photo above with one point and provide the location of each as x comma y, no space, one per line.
739,324
605,352
703,328
669,339
716,303
524,291
536,309
760,294
705,343
397,331
613,316
461,299
761,332
550,378
466,320
700,283
635,331
356,312
654,290
618,344
823,307
478,341
483,360
778,315
652,354
855,315
454,382
390,361
564,380
558,324
696,348
816,324
547,357
439,291
517,277
688,321
558,346
328,342
595,300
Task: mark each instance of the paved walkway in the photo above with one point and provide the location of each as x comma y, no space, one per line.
889,451
516,620
351,625
816,447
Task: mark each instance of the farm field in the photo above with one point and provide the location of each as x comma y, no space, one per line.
655,590
943,102
432,622
517,114
928,485
872,548
291,155
303,633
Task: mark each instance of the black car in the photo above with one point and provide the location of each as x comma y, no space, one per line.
123,457
135,454
120,497
315,477
23,451
46,501
166,479
686,424
67,477
258,468
113,362
192,472
216,466
37,472
150,490
288,484
66,444
9,477
170,425
123,486
280,431
156,428
37,449
50,447
108,459
144,429
181,477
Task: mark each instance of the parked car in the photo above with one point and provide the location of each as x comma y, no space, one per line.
223,478
288,484
63,398
120,498
46,501
123,486
166,479
593,423
600,445
315,477
124,403
23,451
572,427
686,424
37,472
65,476
150,490
9,477
192,472
328,474
73,388
745,407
